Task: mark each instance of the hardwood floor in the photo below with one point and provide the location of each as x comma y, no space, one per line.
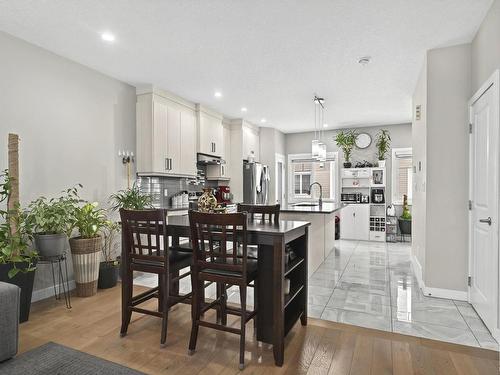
322,347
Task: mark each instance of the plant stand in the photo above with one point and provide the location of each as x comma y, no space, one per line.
57,261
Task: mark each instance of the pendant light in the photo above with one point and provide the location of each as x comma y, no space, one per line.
318,147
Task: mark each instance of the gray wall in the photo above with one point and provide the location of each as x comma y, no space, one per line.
419,142
297,143
272,142
448,90
71,121
486,48
440,141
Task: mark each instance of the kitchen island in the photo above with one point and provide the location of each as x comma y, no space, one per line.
321,231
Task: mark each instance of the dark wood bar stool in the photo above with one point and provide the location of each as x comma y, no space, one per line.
270,213
145,249
212,261
259,213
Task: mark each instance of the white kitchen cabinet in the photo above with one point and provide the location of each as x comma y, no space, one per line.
226,139
188,143
210,132
166,136
174,140
354,222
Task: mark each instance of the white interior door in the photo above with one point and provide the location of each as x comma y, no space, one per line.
484,261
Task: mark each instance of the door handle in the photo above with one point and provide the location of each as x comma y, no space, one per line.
487,221
166,164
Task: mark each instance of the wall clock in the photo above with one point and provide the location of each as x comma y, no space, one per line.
363,140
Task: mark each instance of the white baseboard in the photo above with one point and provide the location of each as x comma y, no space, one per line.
41,294
445,293
435,292
417,270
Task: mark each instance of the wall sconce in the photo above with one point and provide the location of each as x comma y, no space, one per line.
127,159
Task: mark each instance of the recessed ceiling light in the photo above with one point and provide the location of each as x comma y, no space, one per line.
244,109
218,94
365,60
108,37
325,125
263,120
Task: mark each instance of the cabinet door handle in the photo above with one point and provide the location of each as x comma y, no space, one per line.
166,164
170,164
215,148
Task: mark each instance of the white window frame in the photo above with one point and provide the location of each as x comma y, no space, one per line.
292,198
395,199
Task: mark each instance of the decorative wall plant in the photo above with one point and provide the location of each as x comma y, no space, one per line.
346,140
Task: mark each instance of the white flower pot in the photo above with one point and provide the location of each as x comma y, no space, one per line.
381,163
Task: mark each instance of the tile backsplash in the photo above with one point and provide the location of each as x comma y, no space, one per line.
162,188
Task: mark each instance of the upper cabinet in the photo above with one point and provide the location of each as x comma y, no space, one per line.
210,132
166,136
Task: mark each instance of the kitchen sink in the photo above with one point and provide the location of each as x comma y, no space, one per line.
306,204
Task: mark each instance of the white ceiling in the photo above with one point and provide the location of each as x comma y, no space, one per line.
269,56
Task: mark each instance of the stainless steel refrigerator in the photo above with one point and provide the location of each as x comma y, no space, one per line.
256,181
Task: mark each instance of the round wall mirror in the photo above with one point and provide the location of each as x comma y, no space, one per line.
363,140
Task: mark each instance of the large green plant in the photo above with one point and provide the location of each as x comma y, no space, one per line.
383,143
56,215
346,139
131,199
90,220
14,234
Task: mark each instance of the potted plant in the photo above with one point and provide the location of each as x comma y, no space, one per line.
383,146
17,260
52,222
85,248
131,199
405,218
346,139
109,267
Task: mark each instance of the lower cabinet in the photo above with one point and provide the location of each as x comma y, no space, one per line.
354,222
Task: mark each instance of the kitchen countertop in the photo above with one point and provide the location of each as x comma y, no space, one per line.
176,208
325,208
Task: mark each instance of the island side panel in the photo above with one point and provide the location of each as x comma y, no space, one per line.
316,242
329,233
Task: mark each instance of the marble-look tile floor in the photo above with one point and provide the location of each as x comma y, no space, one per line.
371,284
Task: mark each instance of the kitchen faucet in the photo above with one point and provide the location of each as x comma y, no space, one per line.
320,191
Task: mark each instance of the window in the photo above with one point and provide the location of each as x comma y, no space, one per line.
402,174
304,171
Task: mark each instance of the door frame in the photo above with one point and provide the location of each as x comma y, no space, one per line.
280,158
493,83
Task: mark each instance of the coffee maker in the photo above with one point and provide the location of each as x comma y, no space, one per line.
223,194
378,196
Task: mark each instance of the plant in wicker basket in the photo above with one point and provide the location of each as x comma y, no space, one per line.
89,220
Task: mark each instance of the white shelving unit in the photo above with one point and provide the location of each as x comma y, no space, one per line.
364,221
